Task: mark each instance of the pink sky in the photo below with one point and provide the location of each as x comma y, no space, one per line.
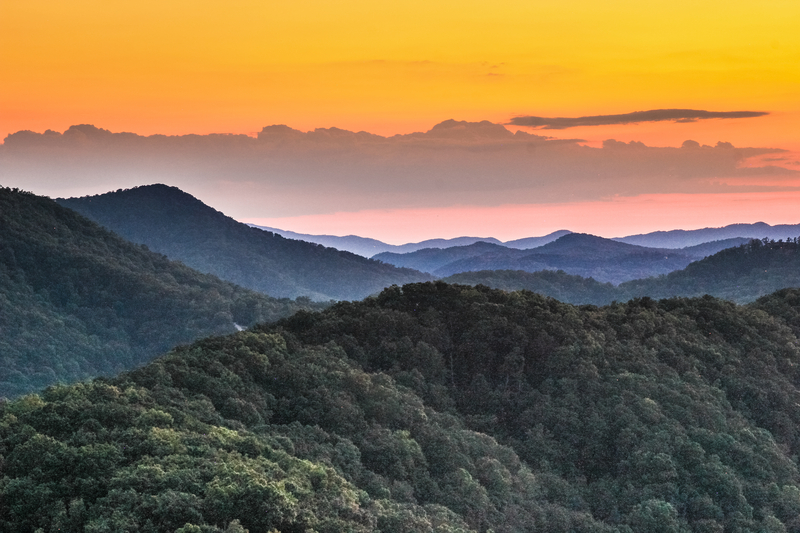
615,217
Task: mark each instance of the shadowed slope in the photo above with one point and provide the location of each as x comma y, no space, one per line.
174,223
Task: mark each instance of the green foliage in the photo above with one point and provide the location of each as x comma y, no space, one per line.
434,408
77,301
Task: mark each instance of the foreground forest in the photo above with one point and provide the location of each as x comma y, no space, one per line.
78,301
432,407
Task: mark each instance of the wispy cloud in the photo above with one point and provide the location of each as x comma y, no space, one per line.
654,115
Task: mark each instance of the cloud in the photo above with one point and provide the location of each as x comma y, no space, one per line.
287,172
654,115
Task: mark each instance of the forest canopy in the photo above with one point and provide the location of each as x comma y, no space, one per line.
432,407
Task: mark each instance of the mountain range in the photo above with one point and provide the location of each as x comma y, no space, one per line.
174,223
575,253
371,247
682,238
672,239
740,274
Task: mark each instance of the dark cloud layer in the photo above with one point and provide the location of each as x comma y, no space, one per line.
286,172
654,115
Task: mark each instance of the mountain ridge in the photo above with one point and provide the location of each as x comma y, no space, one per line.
175,223
575,253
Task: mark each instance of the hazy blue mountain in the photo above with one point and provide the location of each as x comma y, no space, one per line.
432,259
682,238
740,274
575,253
443,243
362,246
367,247
579,254
76,300
370,247
180,226
710,248
533,242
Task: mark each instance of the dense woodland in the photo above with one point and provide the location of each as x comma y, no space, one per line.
174,223
78,301
432,407
740,274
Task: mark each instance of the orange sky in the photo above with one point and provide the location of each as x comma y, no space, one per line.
177,67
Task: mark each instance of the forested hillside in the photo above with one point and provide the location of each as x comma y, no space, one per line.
175,223
740,274
78,301
432,407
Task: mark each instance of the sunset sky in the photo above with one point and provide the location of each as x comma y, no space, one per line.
180,67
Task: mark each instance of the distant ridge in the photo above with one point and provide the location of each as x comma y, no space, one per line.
679,238
367,247
740,274
579,254
182,227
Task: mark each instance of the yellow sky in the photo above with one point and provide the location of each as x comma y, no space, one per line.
390,67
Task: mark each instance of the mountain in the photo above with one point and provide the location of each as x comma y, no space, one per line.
431,408
534,242
556,284
78,301
740,274
370,247
711,247
362,246
174,223
682,238
575,253
432,259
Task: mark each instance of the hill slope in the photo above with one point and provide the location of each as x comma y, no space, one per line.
180,226
432,408
78,301
740,274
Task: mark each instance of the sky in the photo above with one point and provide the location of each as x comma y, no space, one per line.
574,71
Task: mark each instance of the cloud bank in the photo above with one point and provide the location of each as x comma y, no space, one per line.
285,172
654,115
